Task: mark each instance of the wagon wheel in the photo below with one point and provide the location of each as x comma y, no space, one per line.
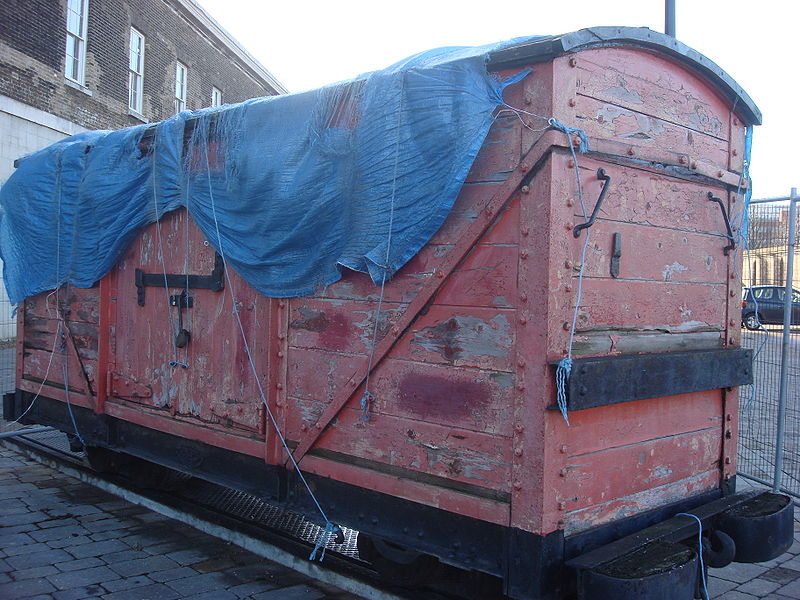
395,562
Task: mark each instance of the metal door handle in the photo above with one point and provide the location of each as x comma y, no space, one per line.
601,175
732,245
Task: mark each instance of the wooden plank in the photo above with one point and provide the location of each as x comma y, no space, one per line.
462,336
620,508
78,305
597,429
468,505
452,453
654,85
487,277
500,153
622,341
602,476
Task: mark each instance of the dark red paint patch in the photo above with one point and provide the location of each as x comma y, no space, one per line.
428,396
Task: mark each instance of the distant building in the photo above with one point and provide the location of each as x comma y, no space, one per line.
765,260
71,65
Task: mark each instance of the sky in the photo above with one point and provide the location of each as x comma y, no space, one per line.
314,42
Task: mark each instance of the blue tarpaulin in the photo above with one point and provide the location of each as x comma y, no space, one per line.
290,189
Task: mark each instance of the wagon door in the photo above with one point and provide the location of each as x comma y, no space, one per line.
177,357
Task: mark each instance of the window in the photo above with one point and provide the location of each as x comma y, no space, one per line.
180,87
136,71
216,97
75,63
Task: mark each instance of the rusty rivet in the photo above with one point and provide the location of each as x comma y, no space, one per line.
728,434
563,472
518,452
281,304
682,160
523,297
570,202
521,365
517,485
576,141
720,174
318,426
731,340
353,383
523,320
727,460
440,274
727,477
571,163
631,151
487,212
571,102
563,449
566,326
567,288
694,164
573,62
732,323
736,121
525,231
568,264
528,100
279,386
520,386
519,428
526,189
733,293
523,254
280,354
303,427
729,417
523,167
562,506
569,225
395,330
733,275
735,152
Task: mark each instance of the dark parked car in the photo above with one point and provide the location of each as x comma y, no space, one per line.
763,305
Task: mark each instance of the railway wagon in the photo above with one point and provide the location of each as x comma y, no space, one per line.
535,394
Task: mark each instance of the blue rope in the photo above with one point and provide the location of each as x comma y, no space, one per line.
66,385
565,366
699,551
324,538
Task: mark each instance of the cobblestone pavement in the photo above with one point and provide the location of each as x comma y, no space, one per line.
62,539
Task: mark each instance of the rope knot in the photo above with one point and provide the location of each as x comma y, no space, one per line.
562,377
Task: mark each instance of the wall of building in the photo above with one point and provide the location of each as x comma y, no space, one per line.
32,47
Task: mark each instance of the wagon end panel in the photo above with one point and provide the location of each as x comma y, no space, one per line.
657,277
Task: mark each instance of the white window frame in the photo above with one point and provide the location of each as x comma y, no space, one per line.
75,57
135,70
181,85
216,96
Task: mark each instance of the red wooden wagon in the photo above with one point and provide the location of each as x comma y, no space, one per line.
465,455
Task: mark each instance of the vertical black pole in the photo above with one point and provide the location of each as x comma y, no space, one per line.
669,17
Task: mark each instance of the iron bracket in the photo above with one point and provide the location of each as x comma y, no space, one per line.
214,282
726,250
606,179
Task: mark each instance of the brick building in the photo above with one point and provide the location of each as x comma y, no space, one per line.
71,65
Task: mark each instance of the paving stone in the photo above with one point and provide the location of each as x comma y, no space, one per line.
213,595
58,533
791,590
190,555
127,583
37,559
213,564
198,584
295,592
172,574
781,575
97,548
50,523
759,587
739,572
79,563
15,539
4,566
736,595
111,534
717,586
13,529
254,572
21,518
248,589
65,581
79,593
29,587
25,549
143,565
156,591
33,572
77,540
123,556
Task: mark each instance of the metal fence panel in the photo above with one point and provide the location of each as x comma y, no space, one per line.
765,264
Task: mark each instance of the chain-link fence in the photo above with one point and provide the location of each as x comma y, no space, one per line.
8,336
765,270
